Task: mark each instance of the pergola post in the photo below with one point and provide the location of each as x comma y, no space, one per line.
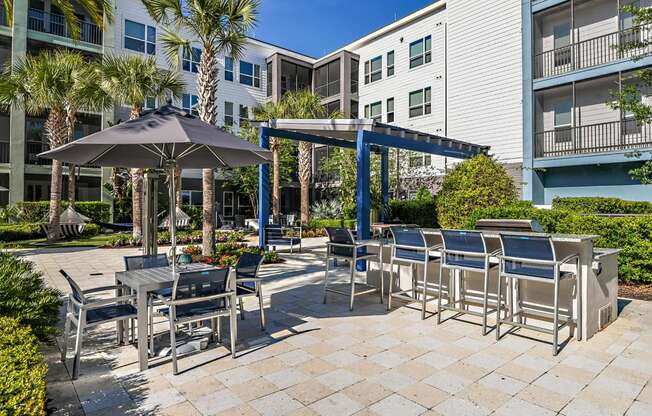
384,182
263,189
363,183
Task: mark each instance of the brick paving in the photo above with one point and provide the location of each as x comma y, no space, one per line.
317,359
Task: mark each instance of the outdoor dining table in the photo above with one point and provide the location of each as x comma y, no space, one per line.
145,281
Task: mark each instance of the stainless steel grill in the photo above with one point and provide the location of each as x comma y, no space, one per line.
508,225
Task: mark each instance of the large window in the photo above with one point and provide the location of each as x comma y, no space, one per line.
192,198
355,73
390,110
373,70
228,68
244,115
294,77
227,206
562,38
420,52
420,102
270,78
228,113
374,111
140,37
191,58
327,79
390,63
250,74
189,103
563,121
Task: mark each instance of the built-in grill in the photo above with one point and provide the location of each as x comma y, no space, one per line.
508,225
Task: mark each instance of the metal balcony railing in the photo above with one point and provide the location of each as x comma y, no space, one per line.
593,138
593,52
55,24
32,149
4,152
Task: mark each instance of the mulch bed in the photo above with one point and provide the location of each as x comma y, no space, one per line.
641,292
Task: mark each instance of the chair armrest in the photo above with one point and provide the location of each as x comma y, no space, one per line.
189,301
248,279
104,288
496,252
569,258
436,247
410,247
104,302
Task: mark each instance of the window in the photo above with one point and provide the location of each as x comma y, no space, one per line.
373,111
250,74
294,77
227,206
332,107
150,103
420,52
228,113
373,70
354,109
390,63
192,198
244,115
416,160
190,103
355,73
420,102
563,121
228,68
390,110
327,79
629,32
269,79
140,37
191,58
562,44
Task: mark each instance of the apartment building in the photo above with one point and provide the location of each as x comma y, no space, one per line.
575,144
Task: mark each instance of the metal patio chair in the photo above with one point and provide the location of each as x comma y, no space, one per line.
198,296
274,237
533,258
84,312
341,245
410,248
248,283
465,251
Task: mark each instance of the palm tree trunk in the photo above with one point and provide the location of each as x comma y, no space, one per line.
207,78
276,178
305,149
57,132
136,189
177,180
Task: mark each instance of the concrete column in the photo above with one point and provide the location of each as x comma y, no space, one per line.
17,117
263,189
109,43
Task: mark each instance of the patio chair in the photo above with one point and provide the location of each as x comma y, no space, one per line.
342,245
84,312
533,258
248,283
274,237
466,252
198,296
148,262
410,248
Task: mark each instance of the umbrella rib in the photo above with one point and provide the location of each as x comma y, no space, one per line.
102,154
216,156
187,151
151,151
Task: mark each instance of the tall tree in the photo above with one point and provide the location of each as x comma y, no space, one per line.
130,80
97,10
52,83
220,27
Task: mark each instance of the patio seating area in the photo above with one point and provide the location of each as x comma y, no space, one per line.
317,358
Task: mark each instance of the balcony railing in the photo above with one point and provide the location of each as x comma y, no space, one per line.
32,149
55,24
593,52
4,152
3,17
593,138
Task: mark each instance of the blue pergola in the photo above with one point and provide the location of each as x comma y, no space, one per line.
362,135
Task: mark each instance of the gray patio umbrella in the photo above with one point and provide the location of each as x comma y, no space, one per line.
165,138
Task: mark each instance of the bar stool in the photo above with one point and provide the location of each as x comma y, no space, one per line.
533,258
465,251
410,248
342,245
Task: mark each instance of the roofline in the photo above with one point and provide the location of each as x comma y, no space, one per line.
286,50
424,11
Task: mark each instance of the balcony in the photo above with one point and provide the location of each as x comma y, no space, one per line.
593,52
32,149
624,135
55,24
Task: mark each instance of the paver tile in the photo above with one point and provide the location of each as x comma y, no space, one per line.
459,407
277,404
367,392
397,405
336,404
309,391
424,395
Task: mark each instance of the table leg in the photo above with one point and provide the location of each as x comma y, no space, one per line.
120,326
234,324
142,329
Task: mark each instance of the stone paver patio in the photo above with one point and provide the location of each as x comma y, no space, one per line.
317,359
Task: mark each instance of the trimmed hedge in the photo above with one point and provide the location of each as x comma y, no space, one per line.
598,205
332,222
24,296
631,234
19,232
37,211
422,212
22,385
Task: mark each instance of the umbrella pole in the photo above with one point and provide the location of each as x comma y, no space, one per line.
173,217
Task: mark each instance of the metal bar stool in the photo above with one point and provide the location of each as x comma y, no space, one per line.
465,251
533,258
248,283
342,245
410,248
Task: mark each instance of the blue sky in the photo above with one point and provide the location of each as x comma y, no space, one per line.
316,27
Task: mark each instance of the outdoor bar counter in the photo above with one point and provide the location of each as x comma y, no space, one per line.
598,273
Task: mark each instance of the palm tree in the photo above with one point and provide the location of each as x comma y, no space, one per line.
53,83
96,9
271,111
130,80
304,104
221,27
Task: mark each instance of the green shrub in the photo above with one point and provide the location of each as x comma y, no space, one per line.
349,223
422,212
22,385
598,205
24,296
37,211
522,210
20,231
475,183
324,223
195,213
91,230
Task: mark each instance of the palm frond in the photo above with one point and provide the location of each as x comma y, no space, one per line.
72,21
9,11
164,11
172,44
